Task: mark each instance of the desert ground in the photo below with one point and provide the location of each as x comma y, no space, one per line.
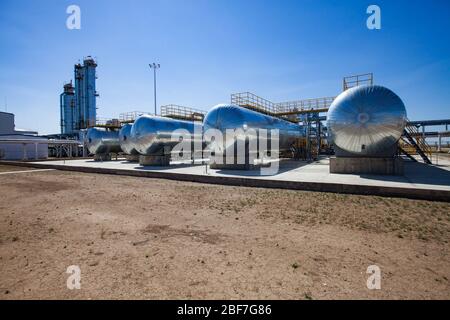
141,238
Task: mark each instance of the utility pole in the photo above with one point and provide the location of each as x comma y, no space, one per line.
154,66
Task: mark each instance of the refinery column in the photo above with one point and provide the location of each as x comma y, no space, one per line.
85,93
67,104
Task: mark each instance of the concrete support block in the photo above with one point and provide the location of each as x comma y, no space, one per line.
380,166
215,165
132,157
102,157
162,161
243,164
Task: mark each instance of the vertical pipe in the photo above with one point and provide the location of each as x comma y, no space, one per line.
61,111
439,143
154,85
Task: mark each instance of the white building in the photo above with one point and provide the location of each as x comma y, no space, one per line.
20,144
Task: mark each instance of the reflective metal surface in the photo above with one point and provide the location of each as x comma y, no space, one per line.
101,141
153,135
225,116
366,120
126,142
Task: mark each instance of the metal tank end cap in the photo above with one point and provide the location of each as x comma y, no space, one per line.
363,117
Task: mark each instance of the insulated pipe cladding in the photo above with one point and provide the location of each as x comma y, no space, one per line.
126,142
102,141
248,125
154,135
366,121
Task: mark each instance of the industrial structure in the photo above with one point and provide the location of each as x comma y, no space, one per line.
20,144
78,103
304,133
127,144
249,131
68,110
102,143
365,124
155,137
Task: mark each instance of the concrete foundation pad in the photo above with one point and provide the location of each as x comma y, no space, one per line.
380,166
163,161
420,181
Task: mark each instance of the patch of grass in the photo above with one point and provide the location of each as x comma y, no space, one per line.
308,296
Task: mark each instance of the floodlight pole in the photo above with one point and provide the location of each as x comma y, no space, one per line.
154,66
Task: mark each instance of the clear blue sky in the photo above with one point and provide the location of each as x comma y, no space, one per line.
208,49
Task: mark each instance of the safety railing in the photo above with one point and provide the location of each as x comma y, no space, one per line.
128,117
182,113
303,105
357,80
107,123
252,101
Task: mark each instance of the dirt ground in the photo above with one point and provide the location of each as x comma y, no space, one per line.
156,239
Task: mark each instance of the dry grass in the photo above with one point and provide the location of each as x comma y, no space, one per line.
405,217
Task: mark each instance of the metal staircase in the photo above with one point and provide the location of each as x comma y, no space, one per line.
413,142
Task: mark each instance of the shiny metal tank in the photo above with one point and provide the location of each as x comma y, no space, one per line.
126,142
152,135
102,141
225,116
366,121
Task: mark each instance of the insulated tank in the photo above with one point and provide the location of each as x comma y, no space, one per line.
126,142
366,121
153,135
101,141
226,116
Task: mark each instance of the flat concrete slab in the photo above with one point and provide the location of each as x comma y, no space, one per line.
421,181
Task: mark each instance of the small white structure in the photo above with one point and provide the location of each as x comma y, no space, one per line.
20,144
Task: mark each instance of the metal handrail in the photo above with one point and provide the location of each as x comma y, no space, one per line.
356,80
131,116
306,104
182,112
252,101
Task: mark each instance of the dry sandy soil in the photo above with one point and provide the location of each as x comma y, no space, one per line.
156,239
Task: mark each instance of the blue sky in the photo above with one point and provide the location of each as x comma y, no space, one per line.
208,49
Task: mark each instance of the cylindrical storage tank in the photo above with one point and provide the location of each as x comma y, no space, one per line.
102,141
224,117
366,121
154,135
126,142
